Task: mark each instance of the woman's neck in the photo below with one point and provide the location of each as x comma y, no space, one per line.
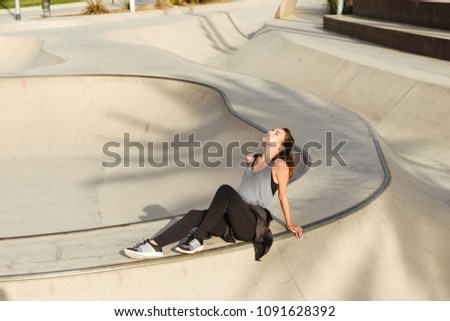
269,153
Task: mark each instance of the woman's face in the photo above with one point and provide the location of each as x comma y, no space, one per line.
274,137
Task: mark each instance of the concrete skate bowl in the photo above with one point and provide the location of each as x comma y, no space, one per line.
53,148
207,38
18,53
403,249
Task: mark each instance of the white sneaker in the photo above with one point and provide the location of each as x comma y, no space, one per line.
191,245
144,250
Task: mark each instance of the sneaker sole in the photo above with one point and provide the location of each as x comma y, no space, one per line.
178,249
138,255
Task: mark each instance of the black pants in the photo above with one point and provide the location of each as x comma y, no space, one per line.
227,209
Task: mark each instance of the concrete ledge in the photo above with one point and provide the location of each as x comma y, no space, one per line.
422,41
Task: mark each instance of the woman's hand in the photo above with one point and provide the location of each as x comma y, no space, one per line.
297,230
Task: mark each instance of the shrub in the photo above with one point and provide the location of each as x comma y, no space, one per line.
348,6
95,7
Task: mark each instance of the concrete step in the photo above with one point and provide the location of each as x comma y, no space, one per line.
419,40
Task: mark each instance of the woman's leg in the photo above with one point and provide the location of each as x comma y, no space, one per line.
179,230
228,207
153,248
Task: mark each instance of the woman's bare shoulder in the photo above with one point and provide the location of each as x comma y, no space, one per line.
280,163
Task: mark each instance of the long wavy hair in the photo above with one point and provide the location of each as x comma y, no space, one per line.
286,153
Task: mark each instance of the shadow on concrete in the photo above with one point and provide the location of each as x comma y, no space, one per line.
3,296
154,212
215,36
4,6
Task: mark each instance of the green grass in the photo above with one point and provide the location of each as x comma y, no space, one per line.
10,4
348,6
31,3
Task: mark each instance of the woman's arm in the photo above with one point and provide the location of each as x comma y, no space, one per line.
282,177
249,158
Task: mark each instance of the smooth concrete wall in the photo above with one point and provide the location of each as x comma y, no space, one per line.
398,245
394,249
53,148
373,93
433,14
21,53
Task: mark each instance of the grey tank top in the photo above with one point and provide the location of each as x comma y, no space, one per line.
256,188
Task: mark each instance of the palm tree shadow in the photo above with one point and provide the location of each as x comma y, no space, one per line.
4,6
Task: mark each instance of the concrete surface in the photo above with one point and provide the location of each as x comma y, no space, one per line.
405,97
22,53
393,247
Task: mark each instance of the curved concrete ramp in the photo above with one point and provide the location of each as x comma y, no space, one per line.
20,53
395,245
399,244
410,91
66,212
206,38
58,174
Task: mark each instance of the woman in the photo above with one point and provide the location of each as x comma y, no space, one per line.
239,215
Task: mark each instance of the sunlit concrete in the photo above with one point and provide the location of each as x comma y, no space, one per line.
269,72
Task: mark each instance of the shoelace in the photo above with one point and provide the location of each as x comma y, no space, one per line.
141,243
190,240
188,235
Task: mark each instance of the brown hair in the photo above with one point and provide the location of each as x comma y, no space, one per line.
286,153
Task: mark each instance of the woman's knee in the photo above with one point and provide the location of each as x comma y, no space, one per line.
226,189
